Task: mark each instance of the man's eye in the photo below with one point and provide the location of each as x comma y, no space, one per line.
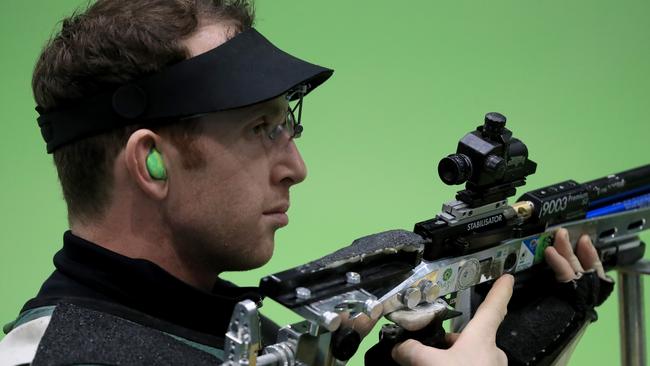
260,128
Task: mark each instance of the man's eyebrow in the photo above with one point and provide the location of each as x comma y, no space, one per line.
274,110
278,110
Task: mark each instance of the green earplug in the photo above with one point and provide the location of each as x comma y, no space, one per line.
155,165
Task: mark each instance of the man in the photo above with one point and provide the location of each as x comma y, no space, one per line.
172,134
157,213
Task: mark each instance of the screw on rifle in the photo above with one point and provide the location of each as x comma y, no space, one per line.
373,309
430,291
330,320
303,293
353,278
411,297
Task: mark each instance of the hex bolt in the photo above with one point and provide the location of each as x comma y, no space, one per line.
303,293
353,278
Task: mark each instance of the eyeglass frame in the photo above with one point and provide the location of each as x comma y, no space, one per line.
296,126
290,119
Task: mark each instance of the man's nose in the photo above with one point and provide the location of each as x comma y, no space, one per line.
290,169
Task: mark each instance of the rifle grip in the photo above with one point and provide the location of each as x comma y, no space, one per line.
433,335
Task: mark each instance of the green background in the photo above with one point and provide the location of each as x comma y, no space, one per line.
411,78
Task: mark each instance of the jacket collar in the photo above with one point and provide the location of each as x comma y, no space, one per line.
88,271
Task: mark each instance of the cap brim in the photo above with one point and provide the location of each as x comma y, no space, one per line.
245,70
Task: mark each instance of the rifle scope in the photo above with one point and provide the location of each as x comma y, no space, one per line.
490,161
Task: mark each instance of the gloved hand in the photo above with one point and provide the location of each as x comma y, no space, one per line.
538,326
546,318
582,271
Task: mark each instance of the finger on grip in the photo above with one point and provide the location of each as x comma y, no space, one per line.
412,352
563,270
563,246
492,311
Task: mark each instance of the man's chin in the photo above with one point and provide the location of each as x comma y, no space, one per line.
254,260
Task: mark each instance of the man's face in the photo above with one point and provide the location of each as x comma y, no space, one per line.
224,214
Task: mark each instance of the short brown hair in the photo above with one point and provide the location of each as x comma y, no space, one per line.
111,43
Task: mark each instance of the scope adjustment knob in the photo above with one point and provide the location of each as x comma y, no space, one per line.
494,124
495,163
495,120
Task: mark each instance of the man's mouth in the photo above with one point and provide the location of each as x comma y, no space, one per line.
279,213
280,208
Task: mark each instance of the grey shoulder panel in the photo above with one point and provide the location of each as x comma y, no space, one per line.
78,335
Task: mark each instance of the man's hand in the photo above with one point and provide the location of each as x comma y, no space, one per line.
568,265
476,345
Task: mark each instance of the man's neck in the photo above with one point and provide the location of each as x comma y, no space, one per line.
139,240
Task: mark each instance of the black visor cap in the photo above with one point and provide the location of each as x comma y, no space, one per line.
245,70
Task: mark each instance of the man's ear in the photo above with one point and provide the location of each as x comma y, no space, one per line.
145,160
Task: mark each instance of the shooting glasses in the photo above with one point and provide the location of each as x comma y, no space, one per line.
245,70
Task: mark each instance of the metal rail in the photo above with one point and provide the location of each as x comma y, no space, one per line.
631,313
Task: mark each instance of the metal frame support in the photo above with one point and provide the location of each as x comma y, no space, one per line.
464,305
631,313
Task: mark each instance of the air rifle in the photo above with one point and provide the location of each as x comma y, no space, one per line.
425,276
